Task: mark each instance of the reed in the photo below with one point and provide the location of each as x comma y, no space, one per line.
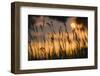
58,45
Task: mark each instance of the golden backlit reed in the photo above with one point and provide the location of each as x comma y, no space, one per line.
60,45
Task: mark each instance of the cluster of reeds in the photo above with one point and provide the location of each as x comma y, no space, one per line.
58,45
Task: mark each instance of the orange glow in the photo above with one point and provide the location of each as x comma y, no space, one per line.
73,25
